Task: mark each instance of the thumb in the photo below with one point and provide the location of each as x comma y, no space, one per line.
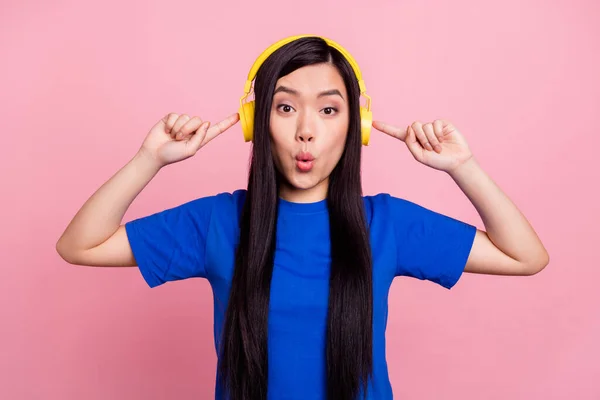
195,142
413,144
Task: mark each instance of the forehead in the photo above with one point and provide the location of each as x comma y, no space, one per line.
313,79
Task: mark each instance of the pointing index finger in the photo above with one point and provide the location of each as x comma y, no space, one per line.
390,130
222,126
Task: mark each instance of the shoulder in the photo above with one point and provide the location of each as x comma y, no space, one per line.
203,209
231,201
398,211
228,205
386,203
217,201
376,199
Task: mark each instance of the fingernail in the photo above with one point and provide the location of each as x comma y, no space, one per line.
438,148
428,146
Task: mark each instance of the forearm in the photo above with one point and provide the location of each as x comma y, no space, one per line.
102,213
505,225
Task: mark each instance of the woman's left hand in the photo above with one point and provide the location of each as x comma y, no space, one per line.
437,144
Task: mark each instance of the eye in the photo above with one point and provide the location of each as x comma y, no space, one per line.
285,108
329,110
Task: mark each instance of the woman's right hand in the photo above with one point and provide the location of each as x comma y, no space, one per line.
177,137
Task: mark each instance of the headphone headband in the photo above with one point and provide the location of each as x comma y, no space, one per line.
271,49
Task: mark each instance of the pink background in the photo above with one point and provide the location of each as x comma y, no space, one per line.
83,83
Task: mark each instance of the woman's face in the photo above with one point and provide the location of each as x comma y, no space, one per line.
309,125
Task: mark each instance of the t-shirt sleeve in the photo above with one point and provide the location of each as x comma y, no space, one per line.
430,246
170,245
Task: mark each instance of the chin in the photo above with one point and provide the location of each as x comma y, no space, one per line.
303,181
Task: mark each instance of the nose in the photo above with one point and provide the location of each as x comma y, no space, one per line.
306,130
305,136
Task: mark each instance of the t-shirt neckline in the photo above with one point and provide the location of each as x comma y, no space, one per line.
302,208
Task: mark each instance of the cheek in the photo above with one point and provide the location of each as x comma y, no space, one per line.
282,132
338,139
279,129
276,153
278,146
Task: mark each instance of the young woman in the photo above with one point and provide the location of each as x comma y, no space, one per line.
301,262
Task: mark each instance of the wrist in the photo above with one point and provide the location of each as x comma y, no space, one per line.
464,169
146,161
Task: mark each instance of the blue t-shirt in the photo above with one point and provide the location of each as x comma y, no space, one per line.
198,239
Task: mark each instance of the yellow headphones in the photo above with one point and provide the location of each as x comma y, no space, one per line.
247,109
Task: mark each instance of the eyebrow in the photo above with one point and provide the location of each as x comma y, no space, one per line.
331,92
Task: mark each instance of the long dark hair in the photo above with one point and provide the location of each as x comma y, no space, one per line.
243,360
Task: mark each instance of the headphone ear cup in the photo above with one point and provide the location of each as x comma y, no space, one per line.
247,120
366,121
